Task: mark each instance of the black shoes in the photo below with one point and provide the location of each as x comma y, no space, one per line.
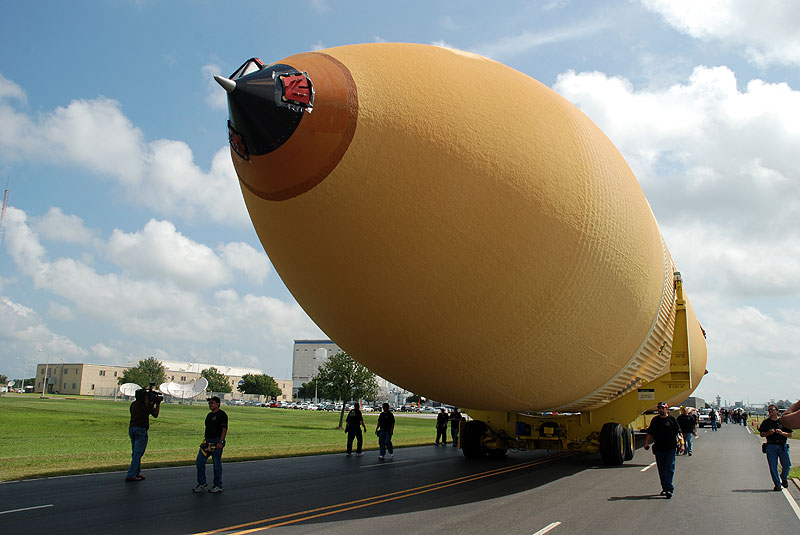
785,483
776,487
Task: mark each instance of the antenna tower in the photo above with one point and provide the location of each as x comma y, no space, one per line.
3,214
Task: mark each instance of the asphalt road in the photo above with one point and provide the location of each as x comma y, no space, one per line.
724,488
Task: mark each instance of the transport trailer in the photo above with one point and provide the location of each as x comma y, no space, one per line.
609,429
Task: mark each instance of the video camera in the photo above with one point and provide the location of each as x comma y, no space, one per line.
154,396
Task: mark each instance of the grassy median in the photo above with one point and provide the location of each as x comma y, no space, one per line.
57,436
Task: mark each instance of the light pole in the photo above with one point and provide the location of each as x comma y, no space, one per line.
314,378
46,369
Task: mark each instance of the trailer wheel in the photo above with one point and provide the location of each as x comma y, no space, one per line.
612,446
627,439
474,430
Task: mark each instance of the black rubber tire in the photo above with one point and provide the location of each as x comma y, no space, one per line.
612,449
473,432
629,446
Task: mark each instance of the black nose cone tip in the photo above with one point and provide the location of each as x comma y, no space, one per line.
261,117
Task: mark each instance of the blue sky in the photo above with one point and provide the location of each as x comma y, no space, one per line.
126,235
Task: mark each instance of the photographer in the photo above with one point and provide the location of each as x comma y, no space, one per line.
146,403
216,430
774,430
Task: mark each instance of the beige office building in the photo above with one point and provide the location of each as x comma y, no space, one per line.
102,380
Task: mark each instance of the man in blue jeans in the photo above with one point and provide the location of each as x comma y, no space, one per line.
663,431
776,434
216,429
141,409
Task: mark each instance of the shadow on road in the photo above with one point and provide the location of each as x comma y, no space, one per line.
644,497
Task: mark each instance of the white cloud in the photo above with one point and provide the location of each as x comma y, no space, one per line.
242,257
705,151
525,41
95,135
767,30
10,90
22,330
147,304
216,98
61,312
159,251
321,6
65,228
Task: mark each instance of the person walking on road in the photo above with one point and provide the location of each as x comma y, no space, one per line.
142,408
663,432
713,417
216,430
353,425
441,427
455,425
688,426
384,431
777,447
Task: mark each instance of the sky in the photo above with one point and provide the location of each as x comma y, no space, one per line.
126,235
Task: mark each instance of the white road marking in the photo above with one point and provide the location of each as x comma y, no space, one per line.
648,467
791,501
26,509
547,528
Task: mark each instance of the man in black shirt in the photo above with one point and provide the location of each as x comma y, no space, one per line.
441,427
775,432
688,426
455,422
216,429
664,431
385,430
141,409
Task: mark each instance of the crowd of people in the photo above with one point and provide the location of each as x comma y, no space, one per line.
672,436
667,435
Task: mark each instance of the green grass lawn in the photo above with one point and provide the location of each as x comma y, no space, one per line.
75,435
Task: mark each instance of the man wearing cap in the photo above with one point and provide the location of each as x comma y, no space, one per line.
663,432
216,429
688,426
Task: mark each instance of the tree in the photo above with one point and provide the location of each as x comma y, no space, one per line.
344,379
3,379
262,385
412,399
217,381
149,370
306,390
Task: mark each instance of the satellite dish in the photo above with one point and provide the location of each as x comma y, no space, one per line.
129,389
199,386
11,383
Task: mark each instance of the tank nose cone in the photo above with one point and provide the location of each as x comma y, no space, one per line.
226,83
265,107
280,148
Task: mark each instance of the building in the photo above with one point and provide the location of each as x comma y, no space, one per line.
77,378
697,403
309,355
102,380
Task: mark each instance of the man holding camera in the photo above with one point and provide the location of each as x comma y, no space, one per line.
216,429
143,406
